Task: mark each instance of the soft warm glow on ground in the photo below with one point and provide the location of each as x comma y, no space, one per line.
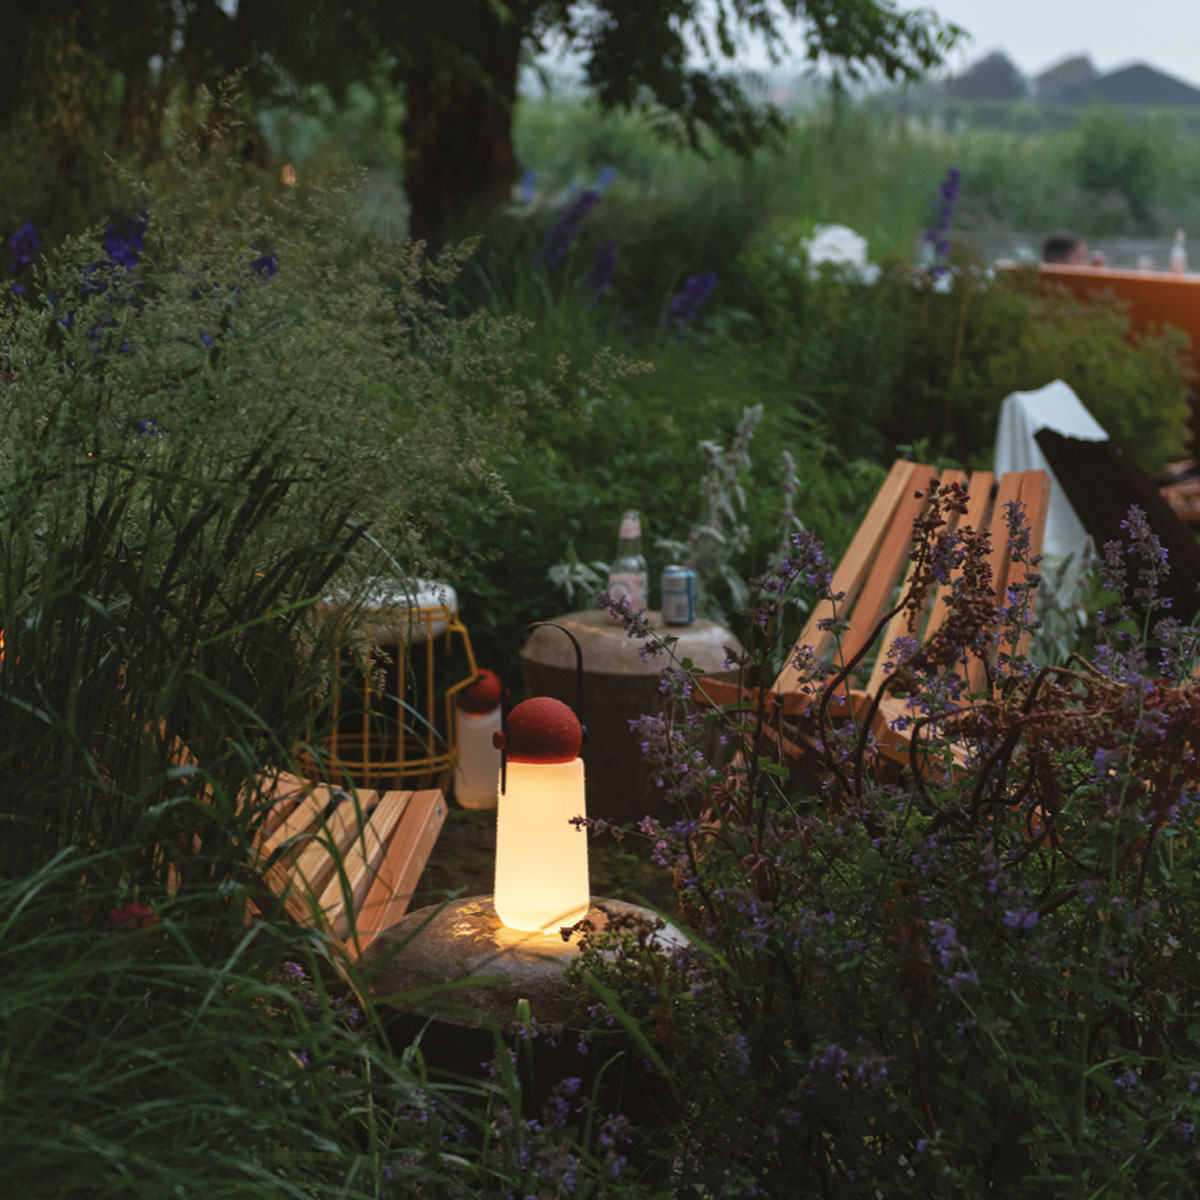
541,858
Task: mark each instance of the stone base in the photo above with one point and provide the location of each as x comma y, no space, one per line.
452,976
457,962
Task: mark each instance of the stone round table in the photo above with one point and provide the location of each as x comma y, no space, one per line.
450,977
618,687
459,954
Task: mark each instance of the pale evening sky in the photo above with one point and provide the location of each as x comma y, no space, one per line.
1036,34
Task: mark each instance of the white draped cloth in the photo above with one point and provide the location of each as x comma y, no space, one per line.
1022,414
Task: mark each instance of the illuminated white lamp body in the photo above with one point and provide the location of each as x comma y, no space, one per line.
541,857
477,717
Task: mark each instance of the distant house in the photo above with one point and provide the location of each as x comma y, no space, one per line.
1138,84
992,78
1050,84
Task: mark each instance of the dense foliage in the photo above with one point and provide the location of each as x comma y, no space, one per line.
227,408
848,364
971,977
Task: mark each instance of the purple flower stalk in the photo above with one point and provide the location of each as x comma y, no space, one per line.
266,264
564,231
600,278
23,249
124,240
685,304
939,235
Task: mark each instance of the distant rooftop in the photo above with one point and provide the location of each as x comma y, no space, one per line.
1070,72
1136,84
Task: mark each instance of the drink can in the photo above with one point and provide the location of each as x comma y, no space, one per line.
678,595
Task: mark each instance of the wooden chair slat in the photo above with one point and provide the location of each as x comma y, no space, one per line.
396,878
879,591
876,556
904,623
279,793
1035,495
315,863
855,564
381,843
362,860
303,817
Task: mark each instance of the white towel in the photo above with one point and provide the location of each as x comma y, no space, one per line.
1022,414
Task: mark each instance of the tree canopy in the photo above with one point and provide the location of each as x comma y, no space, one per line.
457,61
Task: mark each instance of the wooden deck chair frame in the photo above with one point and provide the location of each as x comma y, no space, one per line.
872,572
347,861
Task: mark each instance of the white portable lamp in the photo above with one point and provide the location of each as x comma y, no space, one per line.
541,848
477,719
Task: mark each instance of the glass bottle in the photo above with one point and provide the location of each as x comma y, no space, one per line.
627,574
1178,254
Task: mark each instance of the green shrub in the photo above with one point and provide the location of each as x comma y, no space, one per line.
901,361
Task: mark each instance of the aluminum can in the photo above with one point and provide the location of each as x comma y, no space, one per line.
678,595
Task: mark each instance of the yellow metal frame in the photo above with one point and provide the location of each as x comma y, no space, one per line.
386,747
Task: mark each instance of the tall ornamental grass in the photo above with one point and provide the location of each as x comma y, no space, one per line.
215,425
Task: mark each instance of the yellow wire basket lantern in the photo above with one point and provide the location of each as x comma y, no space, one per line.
391,720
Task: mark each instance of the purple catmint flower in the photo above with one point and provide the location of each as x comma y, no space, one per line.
938,236
945,941
564,231
295,972
830,1059
266,264
1150,553
685,304
1020,918
23,249
600,278
955,981
124,239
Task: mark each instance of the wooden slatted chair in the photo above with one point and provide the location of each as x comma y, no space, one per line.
349,862
872,572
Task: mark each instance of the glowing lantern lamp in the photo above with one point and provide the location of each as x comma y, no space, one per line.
541,851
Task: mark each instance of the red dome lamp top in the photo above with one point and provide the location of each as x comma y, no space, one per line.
541,730
482,694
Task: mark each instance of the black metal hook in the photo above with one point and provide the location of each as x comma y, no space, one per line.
504,709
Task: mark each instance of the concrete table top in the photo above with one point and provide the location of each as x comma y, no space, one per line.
458,963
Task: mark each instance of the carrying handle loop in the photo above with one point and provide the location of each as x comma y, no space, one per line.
504,706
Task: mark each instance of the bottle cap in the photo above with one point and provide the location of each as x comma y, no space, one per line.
482,694
541,730
631,524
